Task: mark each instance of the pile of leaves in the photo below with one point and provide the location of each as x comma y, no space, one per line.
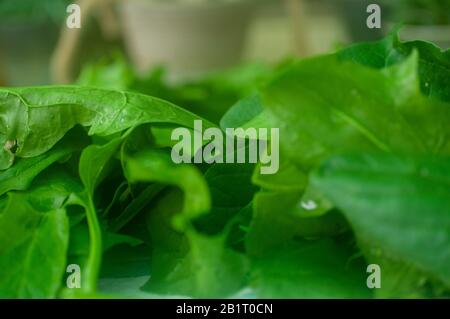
86,179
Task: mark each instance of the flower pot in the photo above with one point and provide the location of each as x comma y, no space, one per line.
189,39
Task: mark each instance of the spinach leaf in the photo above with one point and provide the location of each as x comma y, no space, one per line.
21,175
157,166
34,239
399,205
316,269
189,263
275,223
346,118
231,190
30,115
33,268
86,178
91,167
434,63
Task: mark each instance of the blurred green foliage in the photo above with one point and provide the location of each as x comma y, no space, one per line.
33,11
421,11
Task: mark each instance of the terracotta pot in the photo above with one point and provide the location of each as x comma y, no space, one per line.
189,39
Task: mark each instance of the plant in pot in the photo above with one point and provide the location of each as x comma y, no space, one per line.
28,33
190,37
422,19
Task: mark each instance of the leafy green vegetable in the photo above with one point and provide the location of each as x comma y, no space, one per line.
34,239
20,176
32,114
270,229
87,179
414,221
310,270
156,166
45,247
434,65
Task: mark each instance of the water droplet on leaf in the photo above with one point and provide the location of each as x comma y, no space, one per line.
309,204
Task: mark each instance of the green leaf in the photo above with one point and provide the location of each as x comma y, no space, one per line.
157,166
33,250
20,176
313,203
289,177
434,63
92,163
93,160
79,242
322,117
189,263
135,207
401,279
125,270
34,235
231,190
274,222
317,269
141,226
243,112
50,192
34,268
35,119
399,205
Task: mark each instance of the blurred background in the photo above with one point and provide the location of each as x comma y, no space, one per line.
189,39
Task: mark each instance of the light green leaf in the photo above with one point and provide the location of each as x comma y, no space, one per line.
20,176
157,166
35,119
434,63
33,260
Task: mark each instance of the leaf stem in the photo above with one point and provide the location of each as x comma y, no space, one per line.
95,247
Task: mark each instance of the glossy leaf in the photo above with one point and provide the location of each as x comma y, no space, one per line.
399,205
